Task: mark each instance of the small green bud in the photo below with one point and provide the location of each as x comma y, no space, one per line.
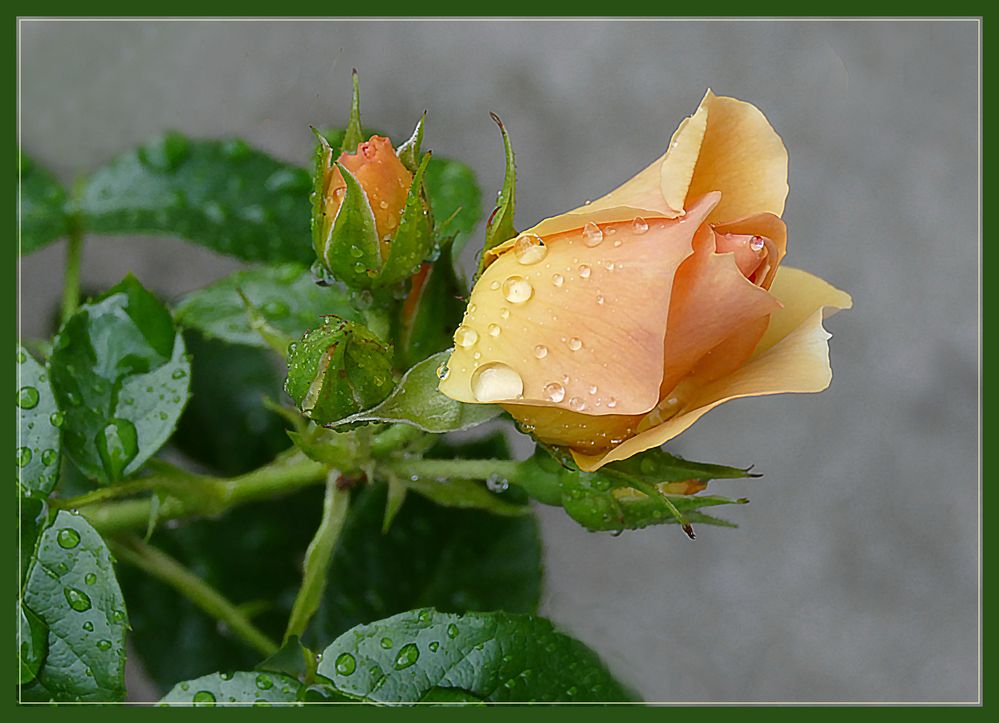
338,369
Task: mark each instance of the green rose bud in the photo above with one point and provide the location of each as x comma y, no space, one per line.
338,369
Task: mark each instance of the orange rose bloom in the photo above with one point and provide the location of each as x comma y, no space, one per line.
383,177
612,328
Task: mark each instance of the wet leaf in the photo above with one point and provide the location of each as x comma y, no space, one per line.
43,206
240,687
488,656
121,377
39,428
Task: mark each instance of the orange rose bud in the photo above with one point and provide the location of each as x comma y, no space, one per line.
385,181
611,328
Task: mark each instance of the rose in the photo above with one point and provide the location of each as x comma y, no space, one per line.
612,328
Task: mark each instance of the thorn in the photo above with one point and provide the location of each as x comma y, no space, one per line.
496,120
687,528
353,72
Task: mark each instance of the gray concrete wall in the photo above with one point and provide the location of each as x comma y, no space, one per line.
854,575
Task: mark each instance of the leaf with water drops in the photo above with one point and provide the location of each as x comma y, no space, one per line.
416,401
285,295
32,644
39,423
499,227
651,488
455,199
224,195
414,240
431,555
498,656
240,687
121,376
338,369
43,206
71,587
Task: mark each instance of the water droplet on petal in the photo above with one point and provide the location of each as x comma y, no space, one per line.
465,336
529,249
494,330
575,343
576,404
600,299
554,392
517,290
757,243
558,279
496,381
443,371
639,225
584,271
592,235
611,403
540,351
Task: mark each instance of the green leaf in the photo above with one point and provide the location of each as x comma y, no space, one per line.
455,199
240,687
221,194
121,376
339,450
652,488
43,206
462,494
338,369
32,644
410,151
293,659
354,134
499,228
497,657
414,239
225,425
72,588
454,560
350,250
431,312
39,418
417,402
285,295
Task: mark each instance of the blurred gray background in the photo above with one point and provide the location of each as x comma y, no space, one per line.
854,576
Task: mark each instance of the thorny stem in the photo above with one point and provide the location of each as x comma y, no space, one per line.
319,554
134,551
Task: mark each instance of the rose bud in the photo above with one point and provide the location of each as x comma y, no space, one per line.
613,327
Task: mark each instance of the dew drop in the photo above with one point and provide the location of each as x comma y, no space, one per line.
386,643
104,645
56,419
757,243
27,397
434,646
554,392
88,626
575,343
496,381
639,225
592,235
600,299
443,372
117,445
452,631
529,249
91,578
264,682
517,290
494,330
584,271
540,351
558,279
611,403
21,357
408,654
465,336
576,404
345,664
77,599
68,538
204,697
23,456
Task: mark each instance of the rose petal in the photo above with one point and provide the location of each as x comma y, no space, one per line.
793,356
743,157
595,318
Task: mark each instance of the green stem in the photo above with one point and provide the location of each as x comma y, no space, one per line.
318,556
455,468
102,494
164,568
281,477
71,282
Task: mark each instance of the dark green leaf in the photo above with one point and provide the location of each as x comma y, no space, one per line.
491,656
32,644
453,560
348,245
221,194
462,494
338,369
455,199
432,311
414,239
38,444
72,587
292,659
33,517
120,374
225,425
416,401
43,207
499,228
285,295
410,152
240,687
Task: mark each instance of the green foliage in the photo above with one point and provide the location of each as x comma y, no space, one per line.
486,656
431,311
338,369
285,295
416,401
72,590
455,198
224,195
38,449
43,215
500,228
121,377
242,687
